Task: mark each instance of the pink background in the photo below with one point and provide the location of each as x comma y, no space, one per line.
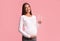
10,11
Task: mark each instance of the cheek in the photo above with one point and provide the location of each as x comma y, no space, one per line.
29,8
25,9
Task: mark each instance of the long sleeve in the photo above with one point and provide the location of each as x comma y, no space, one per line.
21,27
36,21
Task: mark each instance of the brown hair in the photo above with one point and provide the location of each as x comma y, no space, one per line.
23,9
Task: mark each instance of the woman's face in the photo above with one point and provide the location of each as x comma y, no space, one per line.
27,8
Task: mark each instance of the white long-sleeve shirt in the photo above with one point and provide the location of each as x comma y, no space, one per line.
29,24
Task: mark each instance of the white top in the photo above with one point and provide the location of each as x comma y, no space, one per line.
28,25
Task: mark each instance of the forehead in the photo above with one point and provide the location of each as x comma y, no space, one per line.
27,5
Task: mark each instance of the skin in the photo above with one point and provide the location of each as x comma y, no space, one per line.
28,8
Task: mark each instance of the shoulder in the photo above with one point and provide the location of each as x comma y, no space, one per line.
22,16
34,16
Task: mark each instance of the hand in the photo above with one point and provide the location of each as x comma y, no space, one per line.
32,36
39,22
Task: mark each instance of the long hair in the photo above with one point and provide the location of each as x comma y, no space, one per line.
23,9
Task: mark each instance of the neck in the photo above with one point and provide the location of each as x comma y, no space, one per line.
27,13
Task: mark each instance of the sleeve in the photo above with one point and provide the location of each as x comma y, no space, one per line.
36,21
21,27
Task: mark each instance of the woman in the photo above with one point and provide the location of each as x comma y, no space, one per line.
28,24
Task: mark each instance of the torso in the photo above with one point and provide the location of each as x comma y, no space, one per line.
30,24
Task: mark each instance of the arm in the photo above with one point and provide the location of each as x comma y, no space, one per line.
39,21
21,28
